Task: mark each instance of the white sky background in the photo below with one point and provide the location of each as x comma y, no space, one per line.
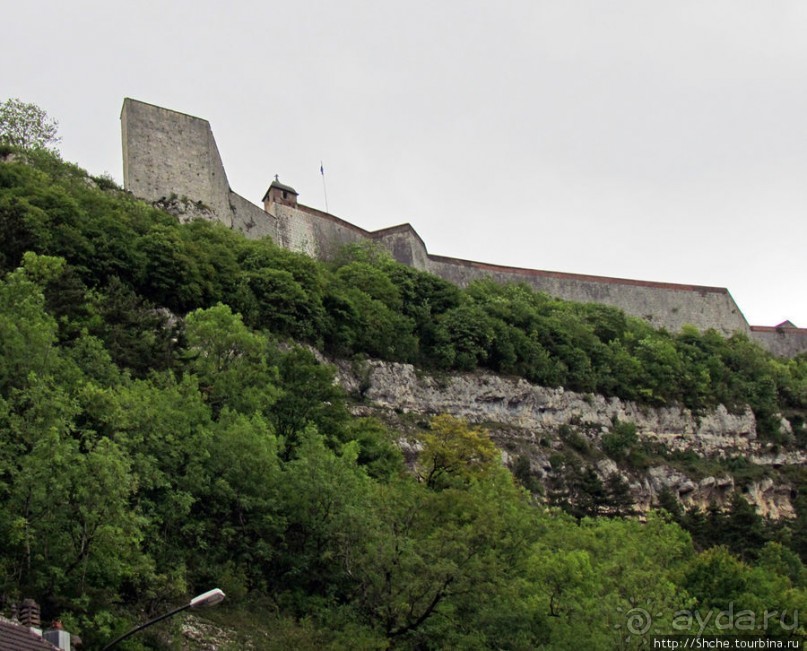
660,140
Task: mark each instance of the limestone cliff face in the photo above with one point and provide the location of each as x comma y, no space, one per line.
528,420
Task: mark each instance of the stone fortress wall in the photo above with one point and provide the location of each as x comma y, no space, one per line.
781,341
169,153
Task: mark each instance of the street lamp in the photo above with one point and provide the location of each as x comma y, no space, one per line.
209,598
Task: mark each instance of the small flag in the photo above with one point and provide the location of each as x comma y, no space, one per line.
324,189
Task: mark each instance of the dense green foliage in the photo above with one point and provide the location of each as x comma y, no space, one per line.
149,453
122,253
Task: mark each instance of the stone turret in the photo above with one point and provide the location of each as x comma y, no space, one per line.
279,193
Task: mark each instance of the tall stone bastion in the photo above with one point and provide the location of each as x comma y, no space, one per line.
168,155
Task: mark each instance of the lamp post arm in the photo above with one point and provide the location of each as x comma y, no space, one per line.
146,625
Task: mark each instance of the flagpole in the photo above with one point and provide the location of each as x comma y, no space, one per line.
324,189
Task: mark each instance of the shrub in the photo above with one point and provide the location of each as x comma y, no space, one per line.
617,443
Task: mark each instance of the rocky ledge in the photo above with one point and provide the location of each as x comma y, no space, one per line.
527,418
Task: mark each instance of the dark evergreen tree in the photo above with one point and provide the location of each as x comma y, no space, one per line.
743,529
669,502
619,498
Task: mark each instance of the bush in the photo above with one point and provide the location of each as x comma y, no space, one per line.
105,182
618,442
574,439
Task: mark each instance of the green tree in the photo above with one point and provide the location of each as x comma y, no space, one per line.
171,275
165,427
282,304
438,560
309,396
236,520
229,361
620,500
717,579
587,577
27,126
378,454
324,500
522,471
668,501
799,535
587,494
777,558
743,529
27,332
452,451
662,370
468,332
361,323
372,281
23,227
618,442
138,336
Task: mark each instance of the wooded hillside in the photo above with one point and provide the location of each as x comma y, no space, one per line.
161,433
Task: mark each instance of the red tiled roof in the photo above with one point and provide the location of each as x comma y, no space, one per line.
791,330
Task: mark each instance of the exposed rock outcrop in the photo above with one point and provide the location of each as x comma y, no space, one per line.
527,418
184,209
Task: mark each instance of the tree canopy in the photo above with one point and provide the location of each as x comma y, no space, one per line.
26,125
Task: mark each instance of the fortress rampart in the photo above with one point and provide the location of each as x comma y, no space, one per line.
781,341
664,305
169,153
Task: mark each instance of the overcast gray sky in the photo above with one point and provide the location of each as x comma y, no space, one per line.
660,140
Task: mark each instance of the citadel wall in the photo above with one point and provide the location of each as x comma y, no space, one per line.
665,305
784,342
405,245
314,232
169,153
252,221
166,153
